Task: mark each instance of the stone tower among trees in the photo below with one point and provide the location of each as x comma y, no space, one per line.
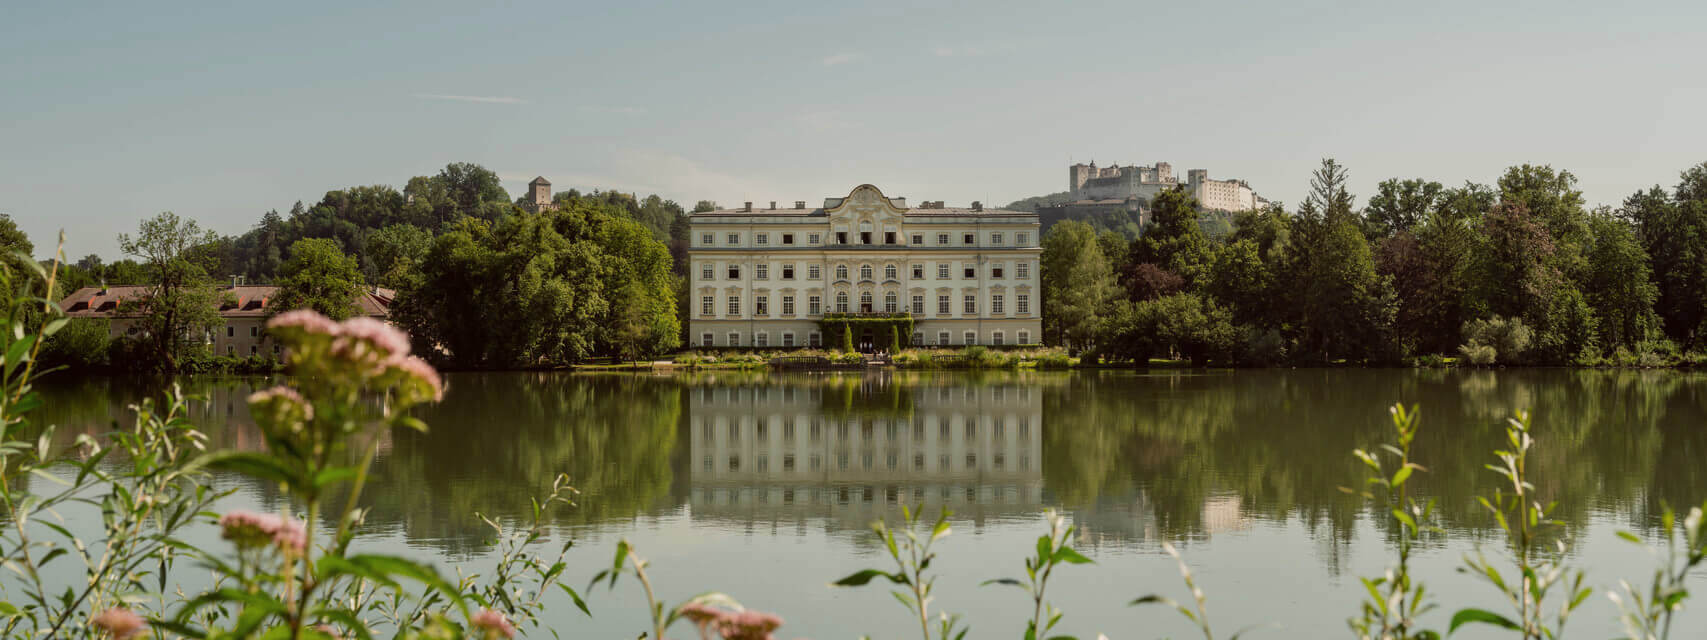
539,195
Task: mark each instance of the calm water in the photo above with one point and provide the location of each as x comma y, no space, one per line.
762,485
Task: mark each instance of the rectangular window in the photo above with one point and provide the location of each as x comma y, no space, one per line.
1022,238
788,341
1024,338
761,339
814,305
996,239
942,238
1022,270
788,272
996,338
970,239
1022,303
707,272
918,305
734,272
705,305
788,305
231,332
889,237
254,331
788,238
734,339
705,340
707,239
734,239
996,304
942,271
811,238
996,271
734,305
970,271
841,237
971,306
814,339
814,272
761,271
918,238
942,338
762,239
865,237
761,305
918,272
971,337
918,338
942,306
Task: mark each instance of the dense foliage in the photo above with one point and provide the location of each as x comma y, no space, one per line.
1421,271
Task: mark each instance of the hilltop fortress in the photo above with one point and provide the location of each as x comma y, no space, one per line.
1137,185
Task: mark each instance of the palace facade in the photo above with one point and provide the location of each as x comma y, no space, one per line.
769,277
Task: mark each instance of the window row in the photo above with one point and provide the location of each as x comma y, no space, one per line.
788,339
867,304
789,239
944,271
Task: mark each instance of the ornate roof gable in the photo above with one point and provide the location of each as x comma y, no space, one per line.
865,204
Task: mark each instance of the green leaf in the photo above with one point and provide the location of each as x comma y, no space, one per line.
1465,616
579,603
1044,545
397,566
1005,581
254,465
616,565
1071,556
863,577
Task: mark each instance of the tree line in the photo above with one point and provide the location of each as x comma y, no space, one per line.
479,281
1518,272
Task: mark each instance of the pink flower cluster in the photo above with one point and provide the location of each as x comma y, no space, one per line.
248,529
285,395
120,623
492,622
375,346
731,625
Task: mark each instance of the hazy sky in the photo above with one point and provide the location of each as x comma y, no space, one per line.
113,112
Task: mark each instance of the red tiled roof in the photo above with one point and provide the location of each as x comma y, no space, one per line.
251,301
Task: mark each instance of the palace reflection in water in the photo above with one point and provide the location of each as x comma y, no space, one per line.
836,450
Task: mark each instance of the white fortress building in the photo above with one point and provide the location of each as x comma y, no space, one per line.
1090,183
768,277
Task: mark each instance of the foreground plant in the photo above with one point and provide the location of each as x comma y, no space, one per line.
709,612
1052,550
1648,615
1199,615
912,556
1538,572
1395,600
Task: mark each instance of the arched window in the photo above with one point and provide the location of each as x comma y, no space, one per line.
865,272
841,272
841,302
889,272
889,301
865,302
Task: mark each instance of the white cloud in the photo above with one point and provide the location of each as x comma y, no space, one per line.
841,58
482,99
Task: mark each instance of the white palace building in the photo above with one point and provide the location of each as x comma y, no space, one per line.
766,277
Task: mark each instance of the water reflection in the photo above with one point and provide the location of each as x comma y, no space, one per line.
1133,457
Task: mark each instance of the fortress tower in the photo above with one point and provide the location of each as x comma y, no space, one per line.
539,196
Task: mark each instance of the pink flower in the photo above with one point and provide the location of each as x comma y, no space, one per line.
492,623
249,530
121,623
701,615
748,625
383,337
418,370
281,398
306,321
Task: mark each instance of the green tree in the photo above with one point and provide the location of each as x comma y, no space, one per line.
1077,284
1173,241
1673,230
1400,205
396,252
179,307
1342,307
321,277
1183,324
1620,284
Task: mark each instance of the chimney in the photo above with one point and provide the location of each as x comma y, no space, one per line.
773,205
748,206
800,204
234,281
977,206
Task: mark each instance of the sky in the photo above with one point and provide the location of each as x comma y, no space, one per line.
219,111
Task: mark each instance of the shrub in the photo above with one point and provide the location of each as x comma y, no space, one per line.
1480,355
82,343
1504,339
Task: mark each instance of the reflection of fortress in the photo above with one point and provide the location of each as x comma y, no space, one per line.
784,452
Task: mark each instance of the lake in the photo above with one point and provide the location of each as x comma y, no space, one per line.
763,485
